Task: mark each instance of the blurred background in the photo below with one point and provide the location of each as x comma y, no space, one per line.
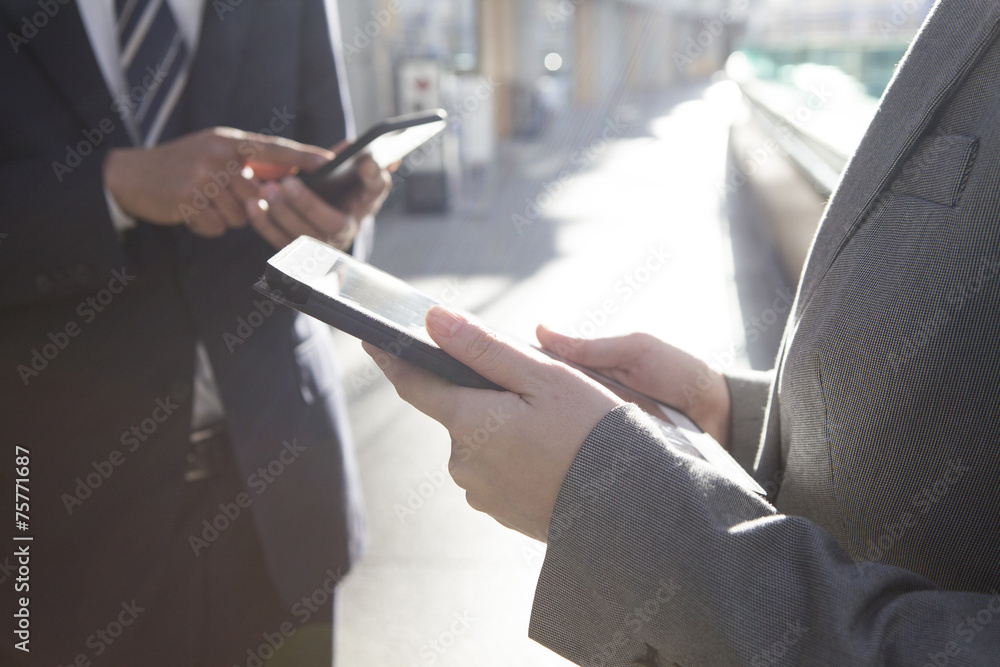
610,166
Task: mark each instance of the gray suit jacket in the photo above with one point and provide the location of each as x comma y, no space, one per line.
881,540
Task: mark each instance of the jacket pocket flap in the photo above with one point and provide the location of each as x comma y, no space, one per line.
938,169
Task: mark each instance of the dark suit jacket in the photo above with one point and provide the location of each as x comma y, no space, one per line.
881,543
111,358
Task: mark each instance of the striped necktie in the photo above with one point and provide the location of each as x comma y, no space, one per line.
154,59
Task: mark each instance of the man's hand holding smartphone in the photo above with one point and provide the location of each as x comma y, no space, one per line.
330,201
196,179
287,209
158,185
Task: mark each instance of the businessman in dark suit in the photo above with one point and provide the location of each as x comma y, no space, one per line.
876,435
193,497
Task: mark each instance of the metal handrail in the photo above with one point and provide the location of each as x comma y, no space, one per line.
817,160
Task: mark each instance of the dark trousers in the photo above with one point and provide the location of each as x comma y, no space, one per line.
243,620
209,605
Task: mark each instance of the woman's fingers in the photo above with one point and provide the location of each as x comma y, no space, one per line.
617,352
485,352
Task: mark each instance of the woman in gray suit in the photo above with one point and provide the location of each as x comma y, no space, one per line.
875,435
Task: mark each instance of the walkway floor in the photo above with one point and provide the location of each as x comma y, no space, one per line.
609,236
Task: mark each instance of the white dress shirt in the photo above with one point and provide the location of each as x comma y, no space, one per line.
99,20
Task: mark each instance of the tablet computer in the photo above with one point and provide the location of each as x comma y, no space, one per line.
368,303
355,297
387,143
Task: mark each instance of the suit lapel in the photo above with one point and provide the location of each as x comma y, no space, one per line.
216,63
63,49
952,39
954,36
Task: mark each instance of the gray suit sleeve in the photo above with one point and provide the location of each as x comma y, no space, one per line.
748,393
655,559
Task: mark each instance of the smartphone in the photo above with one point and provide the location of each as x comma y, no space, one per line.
387,143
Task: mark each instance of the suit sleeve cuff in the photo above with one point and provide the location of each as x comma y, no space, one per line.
748,394
361,247
624,536
121,220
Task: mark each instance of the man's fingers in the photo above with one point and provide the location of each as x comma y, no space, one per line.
260,149
330,225
269,172
265,227
208,223
375,181
244,189
374,185
483,351
230,209
283,215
